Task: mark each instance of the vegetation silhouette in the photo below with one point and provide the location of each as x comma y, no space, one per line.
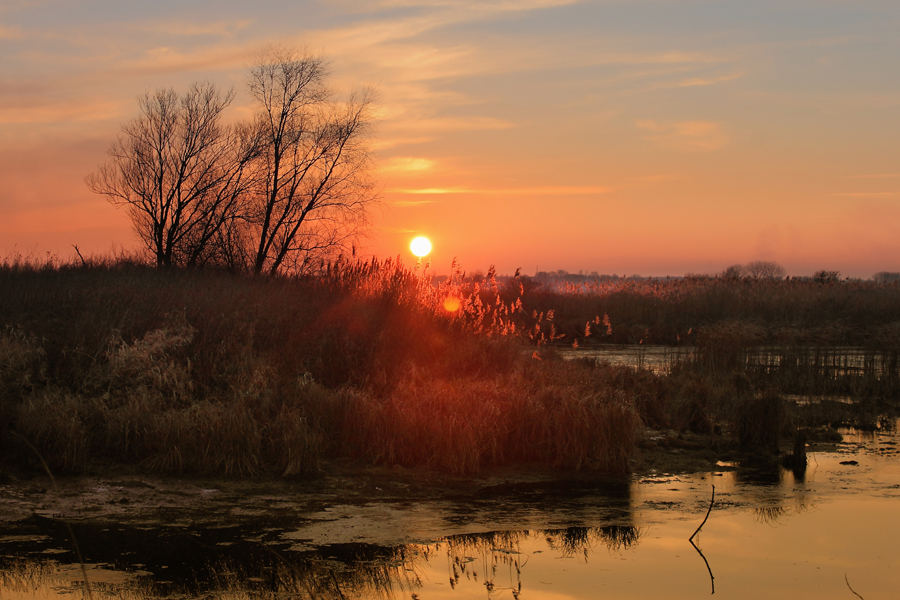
208,371
275,193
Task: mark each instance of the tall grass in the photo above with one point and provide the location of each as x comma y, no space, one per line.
209,372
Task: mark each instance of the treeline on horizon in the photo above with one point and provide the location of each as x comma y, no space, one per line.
209,371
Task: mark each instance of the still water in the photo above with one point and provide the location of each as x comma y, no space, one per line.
830,533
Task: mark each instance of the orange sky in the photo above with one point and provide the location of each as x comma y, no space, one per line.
642,136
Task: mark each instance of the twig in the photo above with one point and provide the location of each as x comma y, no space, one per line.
711,501
851,589
78,252
712,579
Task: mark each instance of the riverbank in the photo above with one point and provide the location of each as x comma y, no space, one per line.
128,495
390,532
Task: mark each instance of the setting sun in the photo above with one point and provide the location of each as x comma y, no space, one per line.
451,304
420,246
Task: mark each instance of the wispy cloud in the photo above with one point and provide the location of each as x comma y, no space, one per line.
404,203
684,135
512,191
394,142
444,124
407,164
433,191
10,33
435,15
704,81
470,6
59,112
195,29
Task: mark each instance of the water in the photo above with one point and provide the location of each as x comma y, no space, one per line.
658,359
828,362
770,534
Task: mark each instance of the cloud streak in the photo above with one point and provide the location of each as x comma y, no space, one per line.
683,135
523,191
407,164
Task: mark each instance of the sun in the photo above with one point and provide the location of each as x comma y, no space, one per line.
420,246
451,304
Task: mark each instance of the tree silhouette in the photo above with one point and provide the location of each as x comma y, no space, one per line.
270,195
179,171
312,171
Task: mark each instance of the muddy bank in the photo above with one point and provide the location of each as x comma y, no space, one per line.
352,503
352,533
347,503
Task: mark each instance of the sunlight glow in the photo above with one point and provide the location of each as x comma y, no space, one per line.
451,304
420,246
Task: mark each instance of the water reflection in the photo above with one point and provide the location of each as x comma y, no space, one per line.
769,534
159,562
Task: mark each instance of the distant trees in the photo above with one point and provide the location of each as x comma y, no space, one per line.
825,276
264,196
761,269
758,269
733,272
886,277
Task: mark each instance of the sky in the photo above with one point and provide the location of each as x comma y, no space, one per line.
652,137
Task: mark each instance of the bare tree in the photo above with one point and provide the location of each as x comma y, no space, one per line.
179,171
313,169
760,269
733,272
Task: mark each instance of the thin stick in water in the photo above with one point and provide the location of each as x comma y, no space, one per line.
711,501
712,579
851,589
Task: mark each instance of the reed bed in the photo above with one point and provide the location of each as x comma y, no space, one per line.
213,372
677,311
210,372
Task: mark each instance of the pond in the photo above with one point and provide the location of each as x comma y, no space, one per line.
828,533
831,361
658,359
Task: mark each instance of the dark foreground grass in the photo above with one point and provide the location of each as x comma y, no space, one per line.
204,372
210,372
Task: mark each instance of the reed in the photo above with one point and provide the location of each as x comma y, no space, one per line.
676,311
213,372
208,372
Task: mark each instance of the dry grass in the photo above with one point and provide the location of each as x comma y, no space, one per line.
464,425
210,372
